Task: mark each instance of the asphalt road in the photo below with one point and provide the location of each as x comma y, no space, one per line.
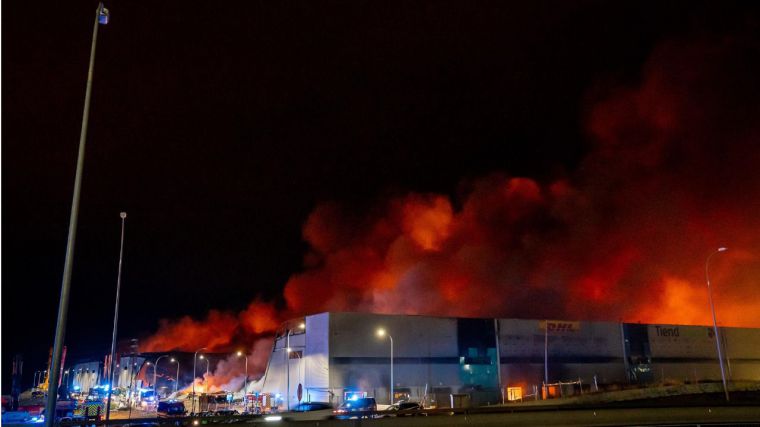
745,415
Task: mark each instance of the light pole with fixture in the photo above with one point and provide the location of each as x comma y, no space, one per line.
176,380
245,381
195,356
715,322
301,326
155,369
382,333
123,216
101,17
205,378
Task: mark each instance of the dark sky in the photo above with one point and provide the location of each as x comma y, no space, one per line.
218,126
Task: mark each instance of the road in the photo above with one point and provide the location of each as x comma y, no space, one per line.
747,415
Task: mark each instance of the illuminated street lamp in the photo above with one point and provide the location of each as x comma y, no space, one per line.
301,326
176,380
715,322
123,216
195,356
155,369
205,378
382,333
245,381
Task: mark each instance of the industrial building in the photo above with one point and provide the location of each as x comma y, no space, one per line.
333,356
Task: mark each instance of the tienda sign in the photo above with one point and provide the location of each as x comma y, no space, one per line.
559,326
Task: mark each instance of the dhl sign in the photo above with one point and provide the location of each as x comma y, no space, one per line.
559,326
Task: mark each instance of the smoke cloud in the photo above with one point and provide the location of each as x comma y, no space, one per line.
671,174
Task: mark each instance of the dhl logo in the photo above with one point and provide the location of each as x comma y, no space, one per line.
559,326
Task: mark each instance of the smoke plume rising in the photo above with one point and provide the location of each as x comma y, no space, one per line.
671,174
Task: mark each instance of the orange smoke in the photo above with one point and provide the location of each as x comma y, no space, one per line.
189,334
671,174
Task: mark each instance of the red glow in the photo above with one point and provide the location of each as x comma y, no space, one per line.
625,237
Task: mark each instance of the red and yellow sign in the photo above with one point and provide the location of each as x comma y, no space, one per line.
559,326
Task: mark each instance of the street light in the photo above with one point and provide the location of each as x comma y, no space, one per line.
101,16
715,322
382,333
301,326
195,356
123,216
205,378
176,380
245,381
155,369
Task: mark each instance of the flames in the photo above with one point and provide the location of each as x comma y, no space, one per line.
671,174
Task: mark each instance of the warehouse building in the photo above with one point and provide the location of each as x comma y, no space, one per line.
331,357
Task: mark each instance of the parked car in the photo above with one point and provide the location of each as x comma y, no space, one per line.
405,409
171,409
364,407
310,411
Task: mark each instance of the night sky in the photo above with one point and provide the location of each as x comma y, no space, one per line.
220,126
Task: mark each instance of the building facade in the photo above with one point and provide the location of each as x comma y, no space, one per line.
332,356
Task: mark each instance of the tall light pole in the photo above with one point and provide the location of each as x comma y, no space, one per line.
176,380
205,378
546,359
245,381
195,357
715,322
123,216
287,359
381,333
101,16
155,369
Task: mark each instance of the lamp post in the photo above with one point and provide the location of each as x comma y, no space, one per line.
301,326
715,322
101,16
381,333
245,381
176,380
298,371
34,379
123,216
205,378
155,369
546,359
195,356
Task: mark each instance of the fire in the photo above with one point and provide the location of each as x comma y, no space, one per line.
670,175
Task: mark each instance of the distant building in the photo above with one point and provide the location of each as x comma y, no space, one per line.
82,376
338,355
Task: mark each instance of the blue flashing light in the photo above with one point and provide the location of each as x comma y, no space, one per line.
76,387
